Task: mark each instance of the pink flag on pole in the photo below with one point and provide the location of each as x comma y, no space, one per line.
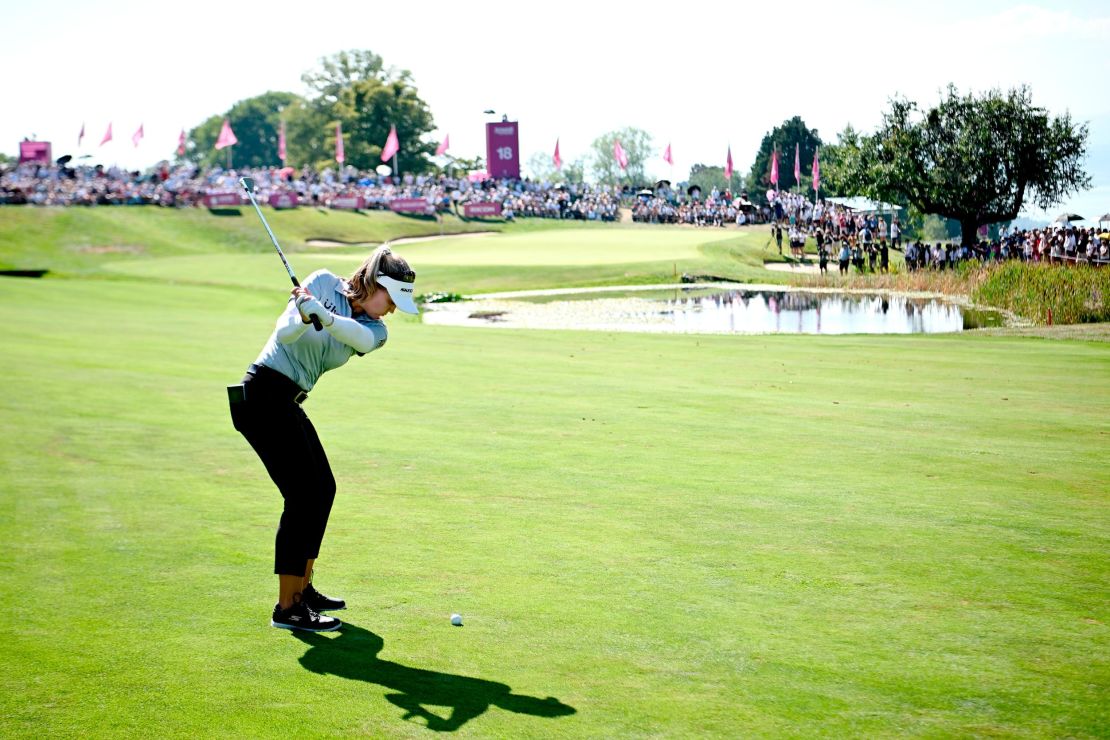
107,135
137,136
227,136
281,142
816,172
797,165
339,156
667,155
82,134
391,146
775,168
619,155
442,148
728,164
181,144
557,159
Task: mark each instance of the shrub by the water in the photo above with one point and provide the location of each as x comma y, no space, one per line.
1048,293
439,298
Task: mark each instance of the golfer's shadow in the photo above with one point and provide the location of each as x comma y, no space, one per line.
353,653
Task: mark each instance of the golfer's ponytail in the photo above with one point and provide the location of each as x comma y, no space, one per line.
361,284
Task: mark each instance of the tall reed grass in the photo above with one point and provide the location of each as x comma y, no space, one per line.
1041,293
1048,294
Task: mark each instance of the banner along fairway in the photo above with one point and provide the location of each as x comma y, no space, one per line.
645,535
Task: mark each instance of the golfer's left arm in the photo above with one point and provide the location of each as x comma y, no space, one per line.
359,337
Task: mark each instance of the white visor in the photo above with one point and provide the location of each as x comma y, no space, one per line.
401,293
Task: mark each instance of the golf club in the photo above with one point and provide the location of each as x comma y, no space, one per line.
248,185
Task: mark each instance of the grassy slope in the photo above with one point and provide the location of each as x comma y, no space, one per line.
135,241
81,240
672,535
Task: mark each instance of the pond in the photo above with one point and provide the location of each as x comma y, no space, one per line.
698,309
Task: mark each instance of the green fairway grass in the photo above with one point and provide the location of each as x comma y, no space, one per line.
646,535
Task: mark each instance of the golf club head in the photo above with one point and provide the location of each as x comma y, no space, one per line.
247,183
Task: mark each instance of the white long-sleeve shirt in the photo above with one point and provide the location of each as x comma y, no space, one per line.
295,349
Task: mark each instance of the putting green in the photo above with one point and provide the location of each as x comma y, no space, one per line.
564,247
567,248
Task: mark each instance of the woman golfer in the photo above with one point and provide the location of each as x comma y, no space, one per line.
266,409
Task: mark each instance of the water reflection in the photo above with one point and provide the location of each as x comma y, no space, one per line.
702,310
818,313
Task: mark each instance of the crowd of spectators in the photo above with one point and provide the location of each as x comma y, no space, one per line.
718,208
862,240
853,238
186,186
1063,245
580,201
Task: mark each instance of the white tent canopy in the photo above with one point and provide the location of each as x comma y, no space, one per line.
864,205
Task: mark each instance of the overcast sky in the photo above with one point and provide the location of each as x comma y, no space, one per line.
701,76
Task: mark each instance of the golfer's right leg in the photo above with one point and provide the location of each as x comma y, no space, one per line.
277,434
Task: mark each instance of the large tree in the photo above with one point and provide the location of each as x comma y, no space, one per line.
255,122
368,108
340,71
636,144
352,88
973,159
355,88
783,138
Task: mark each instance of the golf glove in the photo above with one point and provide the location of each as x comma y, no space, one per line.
309,306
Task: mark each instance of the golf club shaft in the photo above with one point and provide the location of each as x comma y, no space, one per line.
296,284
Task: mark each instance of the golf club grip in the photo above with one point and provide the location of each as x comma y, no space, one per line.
314,318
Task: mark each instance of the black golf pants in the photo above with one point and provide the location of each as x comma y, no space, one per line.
286,442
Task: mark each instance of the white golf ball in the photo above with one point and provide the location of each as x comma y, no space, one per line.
456,619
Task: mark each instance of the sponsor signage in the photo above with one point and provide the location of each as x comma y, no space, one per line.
478,210
409,205
216,200
348,202
34,151
284,200
503,150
